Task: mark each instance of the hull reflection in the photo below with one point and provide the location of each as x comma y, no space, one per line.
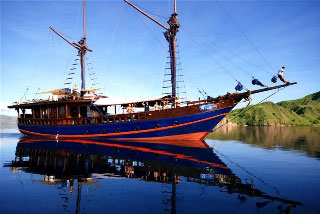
80,162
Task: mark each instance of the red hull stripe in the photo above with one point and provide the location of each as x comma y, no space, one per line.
122,133
183,143
182,137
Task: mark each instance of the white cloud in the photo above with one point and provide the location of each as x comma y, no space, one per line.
6,111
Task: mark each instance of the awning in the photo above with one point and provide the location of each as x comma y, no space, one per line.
125,101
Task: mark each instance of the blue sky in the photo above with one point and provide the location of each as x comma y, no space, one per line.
129,51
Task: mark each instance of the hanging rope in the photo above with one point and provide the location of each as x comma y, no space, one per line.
205,51
151,32
249,173
243,168
243,110
37,65
109,51
188,30
244,35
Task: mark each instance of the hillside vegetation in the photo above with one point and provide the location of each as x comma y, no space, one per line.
304,111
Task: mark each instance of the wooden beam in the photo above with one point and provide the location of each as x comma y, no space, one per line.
272,88
147,15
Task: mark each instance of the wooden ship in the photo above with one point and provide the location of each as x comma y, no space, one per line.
84,114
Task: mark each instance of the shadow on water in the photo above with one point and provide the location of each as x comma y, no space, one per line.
72,164
304,139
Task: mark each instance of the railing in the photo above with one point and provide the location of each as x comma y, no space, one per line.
85,120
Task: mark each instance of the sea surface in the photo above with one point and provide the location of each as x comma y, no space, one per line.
235,170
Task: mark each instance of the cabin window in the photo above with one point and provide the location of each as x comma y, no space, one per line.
37,112
44,113
73,111
83,111
53,112
62,111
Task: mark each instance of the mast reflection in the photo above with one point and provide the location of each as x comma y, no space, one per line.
79,162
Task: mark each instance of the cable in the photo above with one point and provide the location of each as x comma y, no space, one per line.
247,109
244,35
139,17
37,65
221,66
109,51
226,57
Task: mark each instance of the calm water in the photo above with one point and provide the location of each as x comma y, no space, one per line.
236,170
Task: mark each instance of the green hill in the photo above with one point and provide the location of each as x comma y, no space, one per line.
304,111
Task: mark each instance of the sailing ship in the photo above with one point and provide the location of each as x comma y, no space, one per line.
84,114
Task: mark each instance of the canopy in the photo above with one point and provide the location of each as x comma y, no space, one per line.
124,101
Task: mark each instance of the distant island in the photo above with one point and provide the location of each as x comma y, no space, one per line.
300,112
8,122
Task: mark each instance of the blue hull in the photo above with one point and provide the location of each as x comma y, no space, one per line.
194,126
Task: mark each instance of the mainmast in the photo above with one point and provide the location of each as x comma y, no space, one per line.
81,46
170,35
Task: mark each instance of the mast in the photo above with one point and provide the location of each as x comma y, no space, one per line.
170,35
82,51
81,46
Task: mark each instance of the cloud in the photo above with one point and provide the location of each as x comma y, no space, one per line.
6,111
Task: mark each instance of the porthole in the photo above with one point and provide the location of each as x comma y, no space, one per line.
117,130
156,126
136,128
175,123
85,132
102,131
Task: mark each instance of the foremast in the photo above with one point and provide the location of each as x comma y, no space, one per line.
170,35
81,46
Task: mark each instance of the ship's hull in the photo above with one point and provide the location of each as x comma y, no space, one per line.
188,127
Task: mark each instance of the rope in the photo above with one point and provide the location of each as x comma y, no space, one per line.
250,173
233,54
76,26
143,22
221,66
151,12
94,105
244,35
247,109
241,167
111,45
37,65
